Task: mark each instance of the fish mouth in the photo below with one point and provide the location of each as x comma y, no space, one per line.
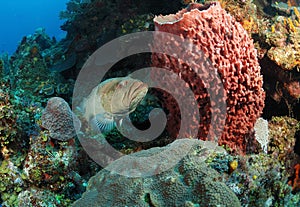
139,87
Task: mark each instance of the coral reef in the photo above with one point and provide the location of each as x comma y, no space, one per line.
40,198
48,166
235,61
12,183
260,180
26,155
29,69
245,12
283,41
59,119
277,43
90,25
283,37
282,138
282,145
190,183
256,180
43,164
295,182
8,118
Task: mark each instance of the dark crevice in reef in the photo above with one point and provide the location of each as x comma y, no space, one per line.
278,101
148,200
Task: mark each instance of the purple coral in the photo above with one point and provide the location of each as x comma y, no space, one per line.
59,119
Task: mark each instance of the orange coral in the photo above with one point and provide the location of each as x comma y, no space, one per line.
250,25
223,3
291,26
34,51
295,182
291,3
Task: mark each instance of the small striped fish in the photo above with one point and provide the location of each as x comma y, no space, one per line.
112,100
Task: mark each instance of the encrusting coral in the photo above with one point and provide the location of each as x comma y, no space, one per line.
190,182
48,165
8,117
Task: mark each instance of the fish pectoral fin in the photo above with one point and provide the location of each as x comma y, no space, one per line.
102,123
119,121
122,121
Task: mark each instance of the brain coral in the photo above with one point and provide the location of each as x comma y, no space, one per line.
58,119
231,54
189,183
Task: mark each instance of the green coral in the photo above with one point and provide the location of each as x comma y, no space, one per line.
35,175
139,23
30,71
11,183
33,197
1,67
283,37
48,165
8,117
282,137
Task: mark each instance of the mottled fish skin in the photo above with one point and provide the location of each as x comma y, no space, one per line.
111,100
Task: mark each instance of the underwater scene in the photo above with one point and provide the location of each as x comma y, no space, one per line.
153,103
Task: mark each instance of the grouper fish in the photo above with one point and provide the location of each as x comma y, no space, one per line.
111,101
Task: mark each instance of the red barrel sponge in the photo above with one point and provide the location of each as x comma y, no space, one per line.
231,54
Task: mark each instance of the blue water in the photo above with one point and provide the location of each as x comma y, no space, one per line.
20,18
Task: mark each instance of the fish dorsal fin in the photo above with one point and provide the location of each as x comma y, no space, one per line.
105,91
